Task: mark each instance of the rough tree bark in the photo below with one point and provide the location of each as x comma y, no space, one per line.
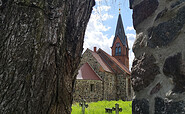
41,42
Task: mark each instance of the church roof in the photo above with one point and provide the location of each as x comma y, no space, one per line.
112,63
100,61
120,32
87,73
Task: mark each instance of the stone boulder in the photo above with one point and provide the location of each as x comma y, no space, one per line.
158,71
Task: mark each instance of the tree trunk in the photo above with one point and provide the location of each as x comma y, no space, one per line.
41,42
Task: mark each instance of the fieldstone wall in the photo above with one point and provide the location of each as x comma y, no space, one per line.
88,57
121,89
113,86
83,90
108,84
158,71
124,90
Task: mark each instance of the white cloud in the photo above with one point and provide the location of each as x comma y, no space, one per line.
94,33
131,39
103,8
106,16
131,36
100,13
94,36
98,0
130,28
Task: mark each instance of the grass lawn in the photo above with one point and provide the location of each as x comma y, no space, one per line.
99,107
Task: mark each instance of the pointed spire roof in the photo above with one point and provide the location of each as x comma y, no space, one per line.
120,32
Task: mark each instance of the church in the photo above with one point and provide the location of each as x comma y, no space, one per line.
102,76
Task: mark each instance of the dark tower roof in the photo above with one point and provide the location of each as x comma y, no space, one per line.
120,32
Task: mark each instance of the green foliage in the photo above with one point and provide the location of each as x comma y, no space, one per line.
99,107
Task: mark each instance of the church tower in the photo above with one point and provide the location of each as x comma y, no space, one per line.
120,49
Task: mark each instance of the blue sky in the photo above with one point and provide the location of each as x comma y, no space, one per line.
102,25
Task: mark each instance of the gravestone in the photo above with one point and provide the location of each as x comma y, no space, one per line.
116,108
83,105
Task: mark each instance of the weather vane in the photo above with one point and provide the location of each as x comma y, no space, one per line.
119,8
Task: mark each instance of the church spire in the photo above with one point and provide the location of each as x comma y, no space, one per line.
120,32
119,47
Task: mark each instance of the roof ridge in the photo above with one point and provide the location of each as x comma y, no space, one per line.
94,71
106,62
109,56
110,59
121,63
102,65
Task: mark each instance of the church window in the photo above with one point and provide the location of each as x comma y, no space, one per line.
92,88
118,49
117,44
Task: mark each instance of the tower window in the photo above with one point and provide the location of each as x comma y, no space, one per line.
118,49
117,44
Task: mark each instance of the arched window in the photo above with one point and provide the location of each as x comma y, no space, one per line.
118,49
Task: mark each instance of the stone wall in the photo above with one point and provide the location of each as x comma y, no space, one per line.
83,90
113,86
109,86
158,71
88,57
107,78
129,89
121,89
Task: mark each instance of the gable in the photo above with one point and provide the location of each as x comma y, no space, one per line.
91,56
87,73
117,40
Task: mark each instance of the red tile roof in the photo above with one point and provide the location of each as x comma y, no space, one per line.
87,73
100,61
112,63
